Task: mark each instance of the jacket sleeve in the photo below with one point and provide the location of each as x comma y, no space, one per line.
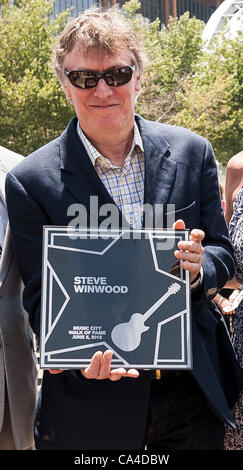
26,219
218,263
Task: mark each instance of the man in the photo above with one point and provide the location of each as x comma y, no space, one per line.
18,373
126,160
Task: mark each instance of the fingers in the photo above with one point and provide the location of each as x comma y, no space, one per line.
234,294
100,368
197,235
179,225
105,368
226,307
93,370
194,242
190,261
192,248
117,374
190,252
55,371
187,253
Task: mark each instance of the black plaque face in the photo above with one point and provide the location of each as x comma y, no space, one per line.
118,290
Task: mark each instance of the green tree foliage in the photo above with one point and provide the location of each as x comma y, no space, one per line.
186,86
172,55
33,109
212,99
183,84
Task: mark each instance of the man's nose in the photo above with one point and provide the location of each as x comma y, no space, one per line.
102,90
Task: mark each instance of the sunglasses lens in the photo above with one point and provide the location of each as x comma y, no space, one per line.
82,79
119,76
116,76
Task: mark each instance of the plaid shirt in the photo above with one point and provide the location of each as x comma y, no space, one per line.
125,185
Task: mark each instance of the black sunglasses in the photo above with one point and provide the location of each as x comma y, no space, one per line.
116,76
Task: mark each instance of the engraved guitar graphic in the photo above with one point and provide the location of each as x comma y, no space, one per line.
127,336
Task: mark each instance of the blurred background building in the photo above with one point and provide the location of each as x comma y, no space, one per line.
162,9
151,9
229,12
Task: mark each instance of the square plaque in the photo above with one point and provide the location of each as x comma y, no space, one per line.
119,290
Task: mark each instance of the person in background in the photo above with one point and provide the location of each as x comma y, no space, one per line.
18,372
221,188
234,217
109,151
225,298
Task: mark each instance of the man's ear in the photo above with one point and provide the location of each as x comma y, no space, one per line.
66,90
138,83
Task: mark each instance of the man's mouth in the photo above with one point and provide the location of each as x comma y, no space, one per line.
103,106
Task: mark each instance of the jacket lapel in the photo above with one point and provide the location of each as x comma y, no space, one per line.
78,174
8,159
2,185
160,170
7,256
82,181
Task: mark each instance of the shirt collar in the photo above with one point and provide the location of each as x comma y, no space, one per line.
94,154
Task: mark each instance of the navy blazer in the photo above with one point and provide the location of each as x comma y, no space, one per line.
180,169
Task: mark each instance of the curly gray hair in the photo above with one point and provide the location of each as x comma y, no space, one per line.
105,30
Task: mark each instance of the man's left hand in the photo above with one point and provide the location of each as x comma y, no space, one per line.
190,252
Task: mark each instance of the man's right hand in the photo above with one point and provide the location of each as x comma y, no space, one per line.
100,368
55,371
